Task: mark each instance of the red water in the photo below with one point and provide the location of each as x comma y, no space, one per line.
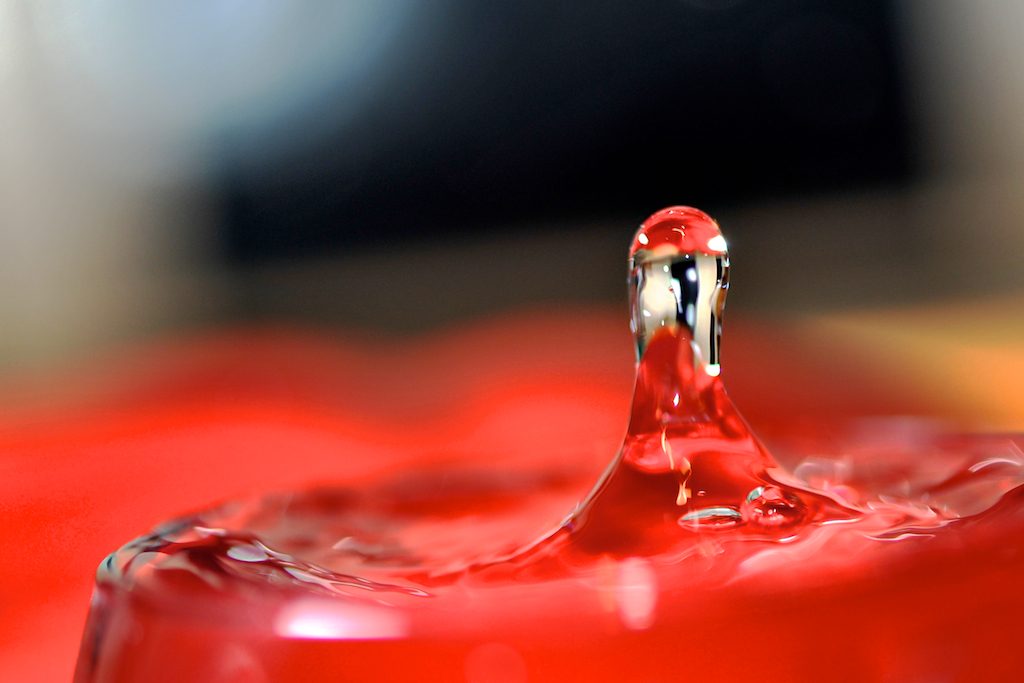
888,552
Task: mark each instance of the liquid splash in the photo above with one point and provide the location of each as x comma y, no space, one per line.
684,433
694,528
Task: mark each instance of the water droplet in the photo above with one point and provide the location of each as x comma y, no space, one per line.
718,517
679,230
680,266
769,506
247,553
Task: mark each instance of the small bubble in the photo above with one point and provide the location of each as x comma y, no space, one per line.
770,506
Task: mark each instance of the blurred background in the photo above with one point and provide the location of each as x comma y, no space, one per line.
394,165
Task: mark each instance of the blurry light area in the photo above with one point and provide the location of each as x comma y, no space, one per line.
323,619
636,593
192,75
504,115
166,166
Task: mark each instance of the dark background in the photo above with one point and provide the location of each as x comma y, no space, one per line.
499,117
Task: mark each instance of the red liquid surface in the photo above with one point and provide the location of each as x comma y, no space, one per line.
882,552
373,584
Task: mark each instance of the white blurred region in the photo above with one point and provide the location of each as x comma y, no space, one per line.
333,619
965,71
112,122
636,593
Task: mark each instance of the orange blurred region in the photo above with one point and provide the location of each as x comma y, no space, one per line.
967,356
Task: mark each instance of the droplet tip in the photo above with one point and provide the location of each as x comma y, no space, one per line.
678,230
